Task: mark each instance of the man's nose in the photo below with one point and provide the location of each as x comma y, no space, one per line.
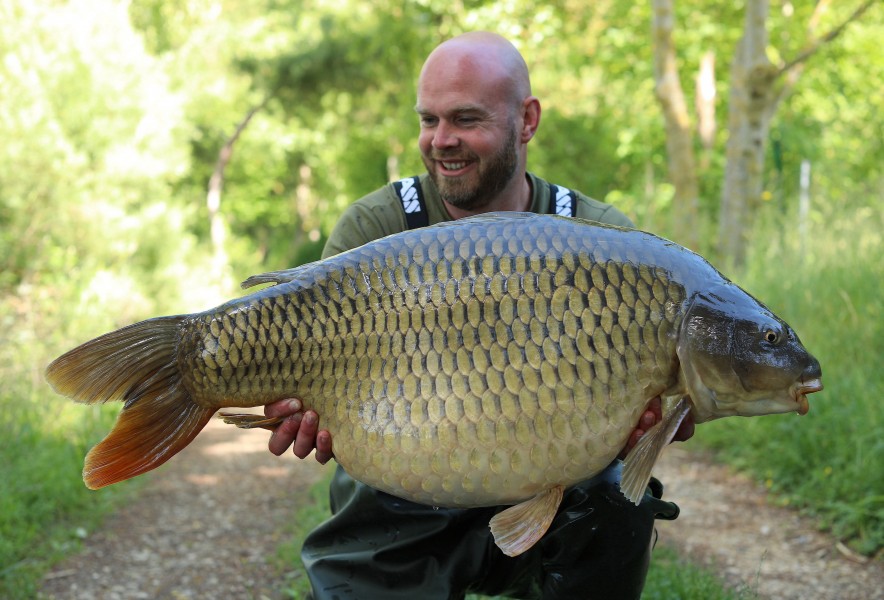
445,136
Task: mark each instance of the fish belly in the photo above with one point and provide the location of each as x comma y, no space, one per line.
457,366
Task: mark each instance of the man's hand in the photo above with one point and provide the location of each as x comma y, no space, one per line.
300,430
653,415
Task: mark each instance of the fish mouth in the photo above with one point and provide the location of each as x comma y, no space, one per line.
800,391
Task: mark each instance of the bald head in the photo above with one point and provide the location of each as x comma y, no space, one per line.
477,115
482,55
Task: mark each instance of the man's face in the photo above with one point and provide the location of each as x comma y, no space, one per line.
468,138
469,180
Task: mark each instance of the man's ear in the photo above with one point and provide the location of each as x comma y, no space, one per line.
530,118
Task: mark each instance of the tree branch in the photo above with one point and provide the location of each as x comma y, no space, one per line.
216,181
816,44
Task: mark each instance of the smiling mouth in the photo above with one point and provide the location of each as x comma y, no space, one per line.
800,392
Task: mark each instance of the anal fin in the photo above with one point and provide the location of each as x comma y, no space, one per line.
640,460
519,527
250,420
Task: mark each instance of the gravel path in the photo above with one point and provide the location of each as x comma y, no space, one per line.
726,522
205,525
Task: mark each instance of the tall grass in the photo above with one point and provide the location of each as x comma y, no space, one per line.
45,509
829,463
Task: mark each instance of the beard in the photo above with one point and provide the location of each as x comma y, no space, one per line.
493,176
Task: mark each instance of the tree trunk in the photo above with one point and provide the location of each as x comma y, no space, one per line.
751,100
705,102
307,204
217,229
682,164
757,88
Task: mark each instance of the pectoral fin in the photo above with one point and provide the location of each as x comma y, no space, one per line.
640,460
519,527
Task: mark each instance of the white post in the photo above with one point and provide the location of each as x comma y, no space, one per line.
803,204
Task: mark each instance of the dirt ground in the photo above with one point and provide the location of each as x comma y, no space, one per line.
727,522
205,525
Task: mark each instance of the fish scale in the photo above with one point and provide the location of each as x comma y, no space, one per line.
481,340
493,360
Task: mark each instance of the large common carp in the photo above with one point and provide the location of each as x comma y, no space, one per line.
491,360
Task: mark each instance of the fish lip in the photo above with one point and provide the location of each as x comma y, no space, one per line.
800,391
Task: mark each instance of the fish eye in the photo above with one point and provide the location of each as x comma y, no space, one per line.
771,336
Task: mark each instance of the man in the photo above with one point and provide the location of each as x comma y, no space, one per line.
477,116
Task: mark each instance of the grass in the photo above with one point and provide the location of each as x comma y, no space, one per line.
673,577
45,510
828,463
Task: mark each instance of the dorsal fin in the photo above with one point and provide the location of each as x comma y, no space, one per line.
273,277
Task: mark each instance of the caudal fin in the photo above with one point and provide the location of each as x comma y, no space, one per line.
135,365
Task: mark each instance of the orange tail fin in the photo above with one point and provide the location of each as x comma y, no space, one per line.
135,365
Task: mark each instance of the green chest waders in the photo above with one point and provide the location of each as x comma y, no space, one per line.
379,547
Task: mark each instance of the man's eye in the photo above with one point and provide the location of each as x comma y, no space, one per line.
428,121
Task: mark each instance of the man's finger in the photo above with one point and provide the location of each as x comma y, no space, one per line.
633,439
655,407
324,447
283,408
283,436
647,420
685,430
306,438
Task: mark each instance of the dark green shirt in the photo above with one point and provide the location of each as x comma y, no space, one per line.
380,214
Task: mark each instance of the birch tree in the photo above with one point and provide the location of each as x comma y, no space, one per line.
757,87
682,163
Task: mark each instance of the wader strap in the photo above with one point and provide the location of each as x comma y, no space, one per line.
412,198
562,201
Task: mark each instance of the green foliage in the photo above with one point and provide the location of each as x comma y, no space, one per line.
89,240
114,113
827,285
